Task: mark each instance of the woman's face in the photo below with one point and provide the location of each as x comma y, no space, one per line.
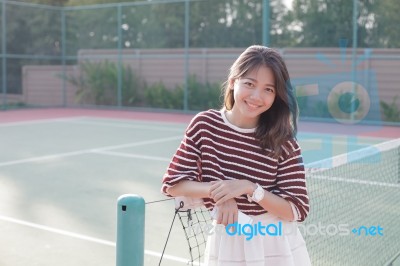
254,94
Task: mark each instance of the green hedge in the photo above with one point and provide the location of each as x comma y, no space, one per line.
391,111
200,96
97,84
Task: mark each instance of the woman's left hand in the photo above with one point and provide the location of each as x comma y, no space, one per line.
223,190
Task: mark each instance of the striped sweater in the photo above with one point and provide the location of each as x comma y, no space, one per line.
214,149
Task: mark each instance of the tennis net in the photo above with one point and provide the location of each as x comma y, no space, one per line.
355,210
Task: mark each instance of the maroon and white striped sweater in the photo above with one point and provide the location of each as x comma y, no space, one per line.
214,149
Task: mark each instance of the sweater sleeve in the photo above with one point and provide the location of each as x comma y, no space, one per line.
185,163
291,180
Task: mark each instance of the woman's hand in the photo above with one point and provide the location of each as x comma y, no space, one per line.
221,191
227,212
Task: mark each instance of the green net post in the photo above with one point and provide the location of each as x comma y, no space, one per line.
130,230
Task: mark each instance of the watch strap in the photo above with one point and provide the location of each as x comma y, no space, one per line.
251,198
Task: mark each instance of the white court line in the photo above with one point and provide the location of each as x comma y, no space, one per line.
137,143
84,237
40,121
94,150
130,155
166,128
362,141
128,120
43,158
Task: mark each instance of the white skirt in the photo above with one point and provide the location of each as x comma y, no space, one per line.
281,245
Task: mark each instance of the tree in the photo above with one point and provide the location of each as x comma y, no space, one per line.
31,30
45,2
322,23
281,29
96,2
232,23
382,32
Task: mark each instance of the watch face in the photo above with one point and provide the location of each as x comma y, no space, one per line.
258,194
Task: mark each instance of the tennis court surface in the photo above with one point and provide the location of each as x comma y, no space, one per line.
62,171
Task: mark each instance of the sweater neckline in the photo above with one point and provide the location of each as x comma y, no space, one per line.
229,124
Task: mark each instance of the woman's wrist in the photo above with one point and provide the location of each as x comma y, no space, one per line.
249,187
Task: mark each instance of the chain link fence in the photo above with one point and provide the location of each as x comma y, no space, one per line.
174,54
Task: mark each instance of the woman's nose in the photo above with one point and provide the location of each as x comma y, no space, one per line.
255,94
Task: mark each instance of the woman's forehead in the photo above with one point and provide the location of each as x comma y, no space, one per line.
252,70
260,73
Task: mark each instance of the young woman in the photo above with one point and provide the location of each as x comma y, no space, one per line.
245,158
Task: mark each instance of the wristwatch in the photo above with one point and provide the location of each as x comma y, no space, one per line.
258,194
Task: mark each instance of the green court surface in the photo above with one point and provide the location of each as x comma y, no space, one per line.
61,178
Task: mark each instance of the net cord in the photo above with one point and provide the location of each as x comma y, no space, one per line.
341,159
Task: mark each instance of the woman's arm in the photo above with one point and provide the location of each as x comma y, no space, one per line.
192,189
185,165
291,180
227,211
227,189
288,199
275,205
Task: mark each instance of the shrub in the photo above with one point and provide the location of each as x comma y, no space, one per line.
157,95
391,112
203,96
200,96
314,107
98,84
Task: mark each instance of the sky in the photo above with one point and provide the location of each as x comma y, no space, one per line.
288,3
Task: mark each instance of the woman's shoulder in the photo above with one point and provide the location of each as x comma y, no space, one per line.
202,120
208,116
291,145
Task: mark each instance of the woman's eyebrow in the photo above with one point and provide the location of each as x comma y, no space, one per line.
254,80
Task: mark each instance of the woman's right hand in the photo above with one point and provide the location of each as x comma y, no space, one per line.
227,212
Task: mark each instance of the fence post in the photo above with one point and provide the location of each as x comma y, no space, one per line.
265,23
4,52
119,63
354,56
63,55
130,230
186,47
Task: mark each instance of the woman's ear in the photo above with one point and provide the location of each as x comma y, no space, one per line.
232,83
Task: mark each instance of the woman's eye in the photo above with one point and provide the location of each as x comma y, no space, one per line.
269,90
248,84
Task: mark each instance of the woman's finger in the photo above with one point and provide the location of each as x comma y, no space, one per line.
215,184
214,189
235,216
231,217
220,215
225,218
221,199
217,196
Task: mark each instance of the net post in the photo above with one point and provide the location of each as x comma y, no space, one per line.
130,230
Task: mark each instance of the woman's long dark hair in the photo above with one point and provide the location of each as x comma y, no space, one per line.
279,122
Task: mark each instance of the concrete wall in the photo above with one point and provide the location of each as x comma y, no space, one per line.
378,68
43,85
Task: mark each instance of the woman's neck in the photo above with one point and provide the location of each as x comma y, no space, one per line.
237,121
